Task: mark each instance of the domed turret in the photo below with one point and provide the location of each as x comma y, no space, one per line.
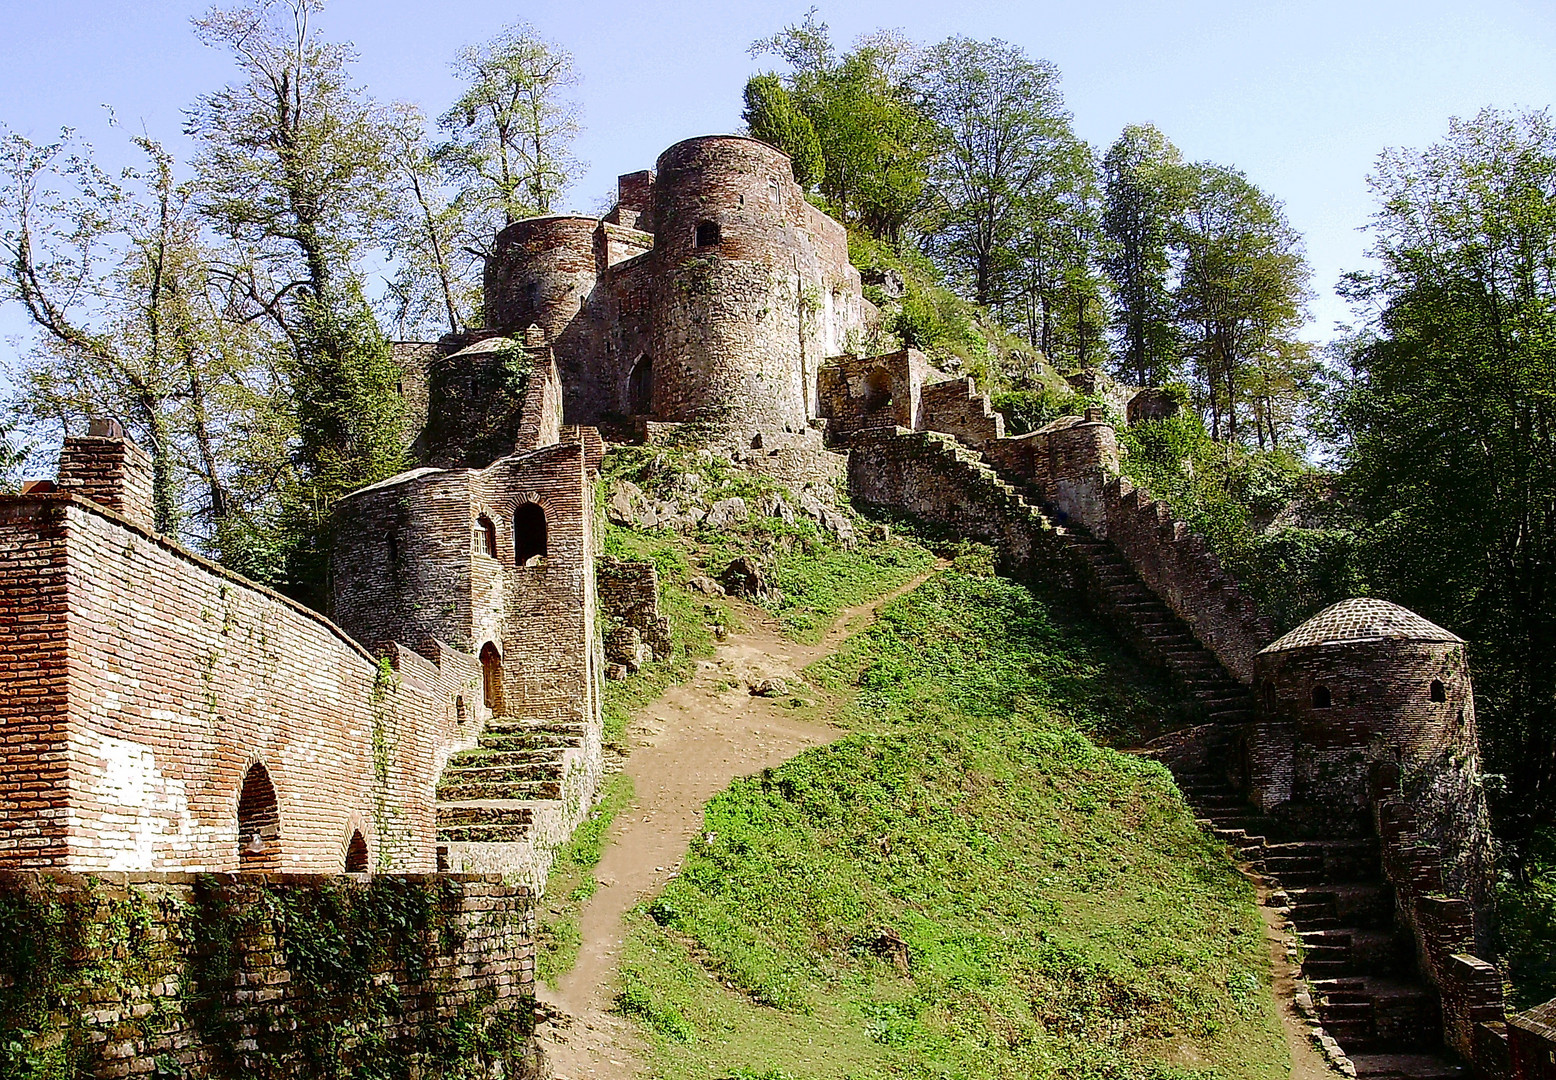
1368,696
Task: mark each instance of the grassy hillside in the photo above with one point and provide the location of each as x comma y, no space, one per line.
964,886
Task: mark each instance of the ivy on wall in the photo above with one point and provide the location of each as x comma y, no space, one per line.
321,977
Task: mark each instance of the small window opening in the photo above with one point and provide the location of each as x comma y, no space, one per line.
356,854
461,714
488,530
532,295
491,677
529,534
1321,698
442,856
259,822
1267,695
707,233
1439,691
392,542
640,386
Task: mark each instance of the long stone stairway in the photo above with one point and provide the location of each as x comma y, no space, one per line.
490,794
1364,986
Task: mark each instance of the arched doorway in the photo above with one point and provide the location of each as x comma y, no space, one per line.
259,822
491,677
640,387
356,853
529,534
877,392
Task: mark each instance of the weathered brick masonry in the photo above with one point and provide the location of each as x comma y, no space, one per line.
147,683
196,976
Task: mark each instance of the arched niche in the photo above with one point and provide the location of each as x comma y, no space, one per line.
259,822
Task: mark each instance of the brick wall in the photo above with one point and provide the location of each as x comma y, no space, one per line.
197,976
173,676
109,469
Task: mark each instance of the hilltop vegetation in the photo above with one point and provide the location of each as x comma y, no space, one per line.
967,884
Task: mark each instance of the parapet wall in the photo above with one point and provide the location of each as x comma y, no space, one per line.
927,475
282,976
147,681
1180,568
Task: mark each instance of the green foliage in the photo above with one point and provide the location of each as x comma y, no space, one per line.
1028,410
771,116
1061,913
63,954
1526,923
1146,185
1448,423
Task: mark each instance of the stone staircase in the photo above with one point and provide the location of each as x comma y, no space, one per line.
1365,988
490,794
1363,984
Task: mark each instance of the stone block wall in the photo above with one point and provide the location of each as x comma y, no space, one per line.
629,600
956,408
147,683
932,478
1180,568
221,977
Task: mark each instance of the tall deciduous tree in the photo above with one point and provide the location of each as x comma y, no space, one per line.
1000,115
511,132
294,166
1450,420
1242,287
1145,187
114,273
875,143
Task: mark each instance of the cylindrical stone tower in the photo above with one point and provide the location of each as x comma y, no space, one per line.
736,302
541,271
1367,689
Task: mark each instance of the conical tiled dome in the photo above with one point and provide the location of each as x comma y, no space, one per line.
1362,619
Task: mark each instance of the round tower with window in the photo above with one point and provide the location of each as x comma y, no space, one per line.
751,289
1368,700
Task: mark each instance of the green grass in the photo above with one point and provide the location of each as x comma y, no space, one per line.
571,882
1062,914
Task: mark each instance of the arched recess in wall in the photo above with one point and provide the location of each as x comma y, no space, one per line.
640,386
1439,691
877,391
491,677
707,233
1322,699
356,853
529,534
259,822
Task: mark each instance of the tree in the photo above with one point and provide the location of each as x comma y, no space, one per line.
114,273
875,143
1145,186
295,168
1242,286
1449,421
1057,291
511,132
437,282
770,115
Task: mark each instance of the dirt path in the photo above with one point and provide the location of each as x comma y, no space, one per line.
1307,1062
686,747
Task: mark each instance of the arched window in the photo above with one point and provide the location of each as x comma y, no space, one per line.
877,391
1321,698
1267,696
488,530
491,677
640,386
1439,691
259,822
356,853
707,233
529,534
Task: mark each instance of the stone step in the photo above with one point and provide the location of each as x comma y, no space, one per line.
455,789
505,757
1407,1067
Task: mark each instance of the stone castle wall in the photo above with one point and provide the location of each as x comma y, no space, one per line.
160,678
221,976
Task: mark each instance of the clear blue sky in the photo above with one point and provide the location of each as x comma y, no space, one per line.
1301,96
